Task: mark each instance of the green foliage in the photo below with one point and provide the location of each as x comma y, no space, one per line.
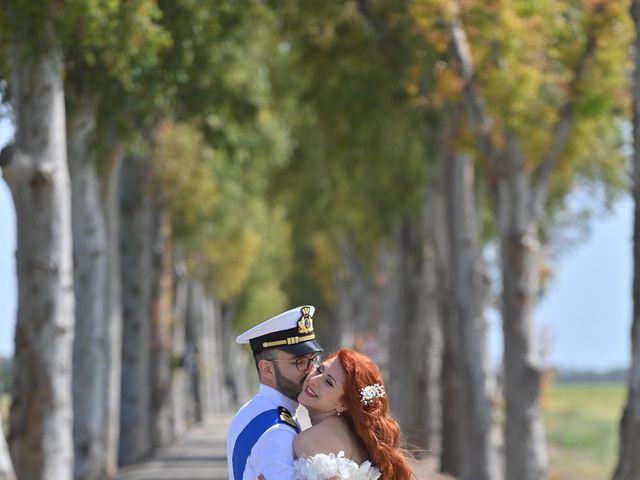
217,76
528,79
131,47
207,66
294,125
103,41
183,167
264,294
29,20
233,240
360,160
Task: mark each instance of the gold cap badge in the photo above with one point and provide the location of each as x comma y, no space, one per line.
305,324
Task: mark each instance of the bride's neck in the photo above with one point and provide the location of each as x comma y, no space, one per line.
317,417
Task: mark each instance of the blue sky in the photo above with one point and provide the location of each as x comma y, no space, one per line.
586,311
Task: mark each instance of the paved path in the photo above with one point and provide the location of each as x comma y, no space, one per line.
200,454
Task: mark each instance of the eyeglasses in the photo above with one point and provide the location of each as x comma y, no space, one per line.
303,363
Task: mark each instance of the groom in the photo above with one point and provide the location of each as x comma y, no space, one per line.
260,439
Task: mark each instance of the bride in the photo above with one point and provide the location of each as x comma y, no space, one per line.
353,434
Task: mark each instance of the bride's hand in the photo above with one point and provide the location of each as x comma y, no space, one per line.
261,477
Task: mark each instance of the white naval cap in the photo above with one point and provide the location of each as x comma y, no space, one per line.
291,331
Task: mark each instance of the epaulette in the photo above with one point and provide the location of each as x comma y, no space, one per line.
284,416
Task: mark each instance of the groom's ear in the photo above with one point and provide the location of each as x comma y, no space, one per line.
266,369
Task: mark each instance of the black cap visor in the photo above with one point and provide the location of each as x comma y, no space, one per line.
301,349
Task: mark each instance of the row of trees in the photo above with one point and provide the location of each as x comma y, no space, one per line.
183,169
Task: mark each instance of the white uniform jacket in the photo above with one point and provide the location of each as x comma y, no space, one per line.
272,454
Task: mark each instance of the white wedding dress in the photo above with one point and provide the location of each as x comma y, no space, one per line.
333,467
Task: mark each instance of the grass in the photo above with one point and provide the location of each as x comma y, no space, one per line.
581,422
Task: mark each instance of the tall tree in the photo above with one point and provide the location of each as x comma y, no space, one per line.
350,58
99,71
469,449
137,236
35,168
628,462
570,98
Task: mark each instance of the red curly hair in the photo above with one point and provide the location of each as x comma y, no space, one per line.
372,423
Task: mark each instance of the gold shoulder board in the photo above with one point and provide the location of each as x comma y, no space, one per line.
285,417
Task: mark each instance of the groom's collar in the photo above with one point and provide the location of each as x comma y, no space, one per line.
278,399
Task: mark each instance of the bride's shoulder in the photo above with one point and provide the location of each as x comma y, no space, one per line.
323,437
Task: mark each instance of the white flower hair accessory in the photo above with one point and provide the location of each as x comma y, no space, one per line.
371,392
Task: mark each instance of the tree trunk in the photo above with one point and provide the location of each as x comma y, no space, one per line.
525,447
221,395
6,468
353,301
415,344
208,359
180,375
161,334
628,467
518,199
136,244
469,407
238,364
41,418
204,335
192,354
113,296
91,344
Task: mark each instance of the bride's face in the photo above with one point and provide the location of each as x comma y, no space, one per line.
323,389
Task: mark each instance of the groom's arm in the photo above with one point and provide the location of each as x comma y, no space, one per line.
272,456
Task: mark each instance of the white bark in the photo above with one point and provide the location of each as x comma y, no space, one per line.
414,338
113,302
91,344
628,467
205,336
475,416
219,397
179,389
353,301
238,364
136,236
41,418
191,357
525,445
161,334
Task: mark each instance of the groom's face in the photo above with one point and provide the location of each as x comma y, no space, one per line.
289,379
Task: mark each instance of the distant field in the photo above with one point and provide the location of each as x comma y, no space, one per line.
581,422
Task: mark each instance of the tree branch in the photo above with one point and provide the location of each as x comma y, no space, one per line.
375,23
16,166
562,129
461,54
6,156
